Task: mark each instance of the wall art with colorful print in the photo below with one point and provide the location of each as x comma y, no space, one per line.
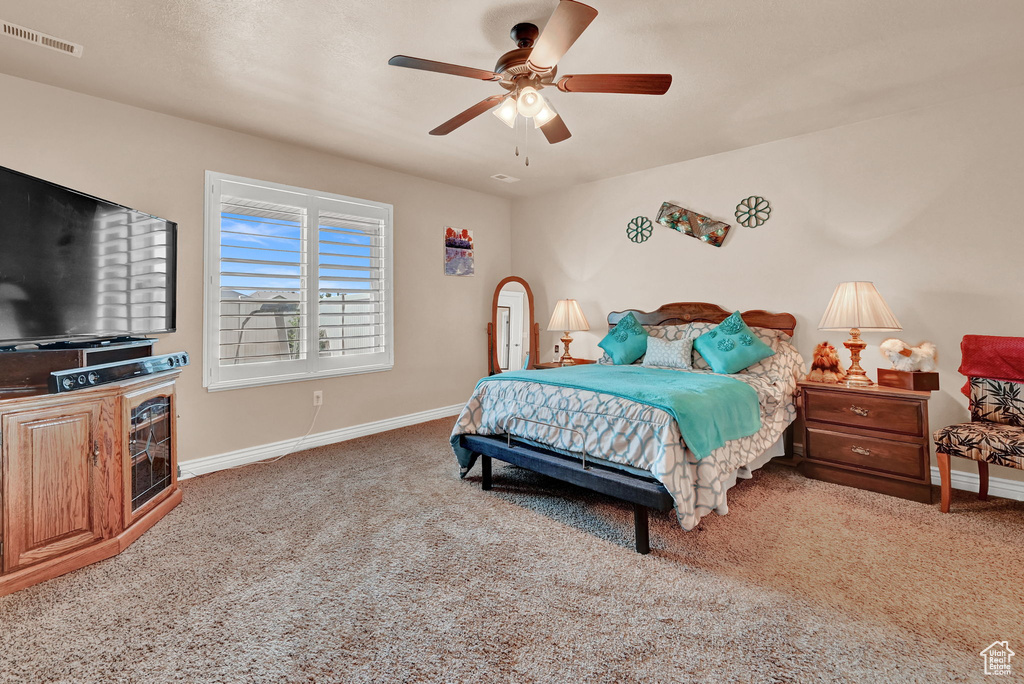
458,252
693,224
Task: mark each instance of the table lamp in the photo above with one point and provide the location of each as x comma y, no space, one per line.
858,306
567,317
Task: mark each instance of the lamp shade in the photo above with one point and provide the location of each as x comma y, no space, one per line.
506,111
529,102
858,305
568,316
546,114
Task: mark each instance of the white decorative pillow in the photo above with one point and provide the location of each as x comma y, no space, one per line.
664,353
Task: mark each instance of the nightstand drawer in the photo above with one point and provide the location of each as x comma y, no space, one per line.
858,410
882,455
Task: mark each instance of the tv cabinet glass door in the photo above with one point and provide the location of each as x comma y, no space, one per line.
150,464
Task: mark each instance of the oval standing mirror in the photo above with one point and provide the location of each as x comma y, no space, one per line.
512,334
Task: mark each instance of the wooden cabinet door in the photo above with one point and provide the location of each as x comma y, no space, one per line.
150,459
52,482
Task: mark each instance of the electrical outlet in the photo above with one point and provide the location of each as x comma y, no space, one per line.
318,398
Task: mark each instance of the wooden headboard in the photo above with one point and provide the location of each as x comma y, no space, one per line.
679,313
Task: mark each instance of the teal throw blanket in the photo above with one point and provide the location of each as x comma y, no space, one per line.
710,409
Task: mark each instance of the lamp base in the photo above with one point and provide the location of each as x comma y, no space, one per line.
566,359
855,375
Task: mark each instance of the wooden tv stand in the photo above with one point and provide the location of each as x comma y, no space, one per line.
73,467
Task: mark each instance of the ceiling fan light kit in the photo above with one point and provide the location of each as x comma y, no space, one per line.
546,114
506,112
532,66
530,102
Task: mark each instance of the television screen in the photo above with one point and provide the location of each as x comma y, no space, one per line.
76,267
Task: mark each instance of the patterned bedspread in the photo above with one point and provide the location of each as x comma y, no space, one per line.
624,432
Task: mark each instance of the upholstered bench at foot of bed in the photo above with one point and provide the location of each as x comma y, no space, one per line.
641,492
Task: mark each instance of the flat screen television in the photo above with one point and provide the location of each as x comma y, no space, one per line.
78,268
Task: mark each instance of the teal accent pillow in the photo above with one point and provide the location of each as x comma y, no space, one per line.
731,346
626,342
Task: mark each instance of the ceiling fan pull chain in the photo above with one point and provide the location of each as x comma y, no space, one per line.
515,133
526,144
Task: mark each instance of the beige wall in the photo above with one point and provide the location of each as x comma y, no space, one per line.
925,204
156,163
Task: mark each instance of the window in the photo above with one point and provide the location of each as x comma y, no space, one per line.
298,284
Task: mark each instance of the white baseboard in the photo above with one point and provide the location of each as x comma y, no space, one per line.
997,486
231,459
967,481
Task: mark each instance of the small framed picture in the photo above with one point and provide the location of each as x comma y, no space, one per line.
458,252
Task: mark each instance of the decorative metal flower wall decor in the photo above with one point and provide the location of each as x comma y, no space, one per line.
639,229
753,211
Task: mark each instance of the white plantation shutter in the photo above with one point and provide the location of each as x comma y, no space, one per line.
353,293
298,284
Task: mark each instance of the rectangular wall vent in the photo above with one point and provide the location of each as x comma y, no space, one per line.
43,39
505,178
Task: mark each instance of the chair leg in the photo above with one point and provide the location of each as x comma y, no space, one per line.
947,492
983,480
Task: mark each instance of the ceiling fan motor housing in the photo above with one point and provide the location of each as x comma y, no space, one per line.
512,66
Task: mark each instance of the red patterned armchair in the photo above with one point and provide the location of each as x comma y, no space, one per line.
994,367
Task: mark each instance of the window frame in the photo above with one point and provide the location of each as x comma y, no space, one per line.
217,377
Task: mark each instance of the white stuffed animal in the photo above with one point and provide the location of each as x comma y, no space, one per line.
906,358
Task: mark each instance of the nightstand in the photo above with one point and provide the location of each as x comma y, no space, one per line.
555,364
874,438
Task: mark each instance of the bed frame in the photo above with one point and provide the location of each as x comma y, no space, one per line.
642,492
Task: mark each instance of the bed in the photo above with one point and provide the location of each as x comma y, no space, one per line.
632,450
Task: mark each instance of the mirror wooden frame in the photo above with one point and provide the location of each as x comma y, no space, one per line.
492,345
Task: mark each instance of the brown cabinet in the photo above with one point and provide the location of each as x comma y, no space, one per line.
66,498
53,482
873,437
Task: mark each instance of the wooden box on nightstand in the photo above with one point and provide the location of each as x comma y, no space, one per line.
873,438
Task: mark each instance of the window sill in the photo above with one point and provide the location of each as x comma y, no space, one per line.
243,383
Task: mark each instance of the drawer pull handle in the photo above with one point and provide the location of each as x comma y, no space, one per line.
860,450
860,411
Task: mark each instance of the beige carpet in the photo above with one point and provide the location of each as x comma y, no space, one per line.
371,561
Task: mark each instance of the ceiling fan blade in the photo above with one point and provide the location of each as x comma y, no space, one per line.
555,130
443,68
633,84
468,115
570,19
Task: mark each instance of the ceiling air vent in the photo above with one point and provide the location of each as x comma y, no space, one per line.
505,179
43,39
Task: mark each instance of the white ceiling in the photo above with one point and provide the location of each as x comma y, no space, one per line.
315,73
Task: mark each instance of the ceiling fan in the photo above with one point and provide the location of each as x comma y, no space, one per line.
532,66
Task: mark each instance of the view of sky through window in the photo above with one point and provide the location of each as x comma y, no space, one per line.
272,240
